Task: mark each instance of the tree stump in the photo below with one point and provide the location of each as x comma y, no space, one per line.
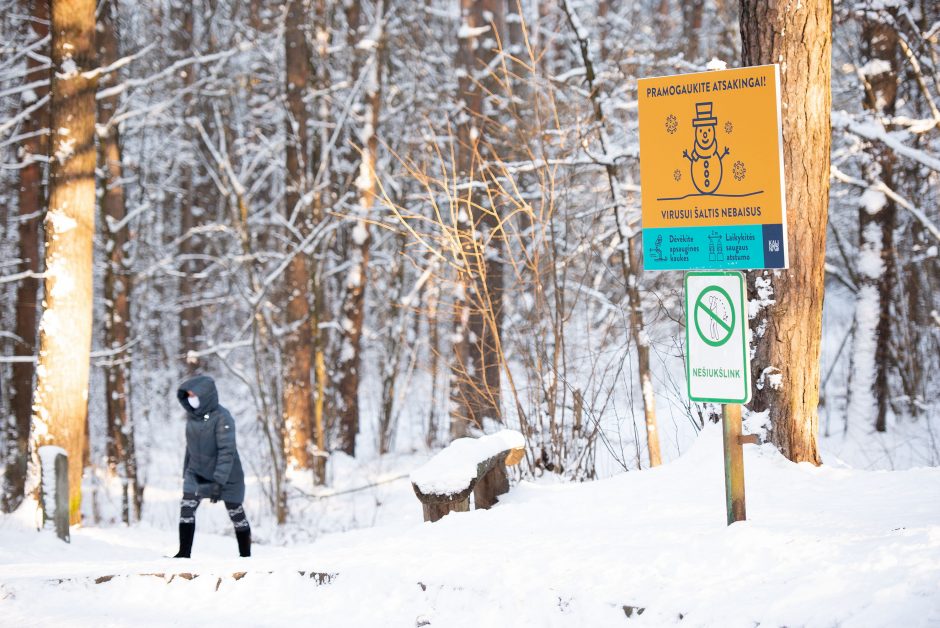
54,490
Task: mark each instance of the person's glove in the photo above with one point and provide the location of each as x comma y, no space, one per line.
215,493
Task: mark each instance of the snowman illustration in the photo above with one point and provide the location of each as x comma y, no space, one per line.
705,158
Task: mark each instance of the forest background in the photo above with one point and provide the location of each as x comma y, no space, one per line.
384,225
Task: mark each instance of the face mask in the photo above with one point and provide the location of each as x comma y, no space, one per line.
193,401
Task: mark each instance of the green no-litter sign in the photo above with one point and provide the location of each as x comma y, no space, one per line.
717,365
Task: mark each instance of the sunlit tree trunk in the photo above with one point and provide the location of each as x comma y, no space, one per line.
31,201
321,313
122,459
787,330
298,345
61,399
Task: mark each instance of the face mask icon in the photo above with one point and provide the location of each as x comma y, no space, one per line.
193,401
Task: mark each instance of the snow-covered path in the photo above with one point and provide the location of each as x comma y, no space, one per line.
822,547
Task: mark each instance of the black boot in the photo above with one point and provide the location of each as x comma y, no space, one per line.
244,541
187,532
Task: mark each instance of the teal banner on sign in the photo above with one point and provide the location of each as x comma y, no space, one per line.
739,247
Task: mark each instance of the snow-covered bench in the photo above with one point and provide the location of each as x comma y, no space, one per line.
478,465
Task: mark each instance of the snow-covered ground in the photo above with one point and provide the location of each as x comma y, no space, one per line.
828,546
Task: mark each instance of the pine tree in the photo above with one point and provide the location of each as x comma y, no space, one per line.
298,347
61,399
788,329
31,201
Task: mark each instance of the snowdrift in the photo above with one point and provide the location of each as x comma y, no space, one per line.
822,546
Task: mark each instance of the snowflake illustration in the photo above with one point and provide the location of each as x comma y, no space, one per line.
739,170
676,174
672,123
729,128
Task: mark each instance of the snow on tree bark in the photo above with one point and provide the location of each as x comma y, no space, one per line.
193,198
788,332
353,306
31,201
872,361
61,399
118,280
476,368
298,346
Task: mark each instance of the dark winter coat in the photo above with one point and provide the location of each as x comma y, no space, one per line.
211,454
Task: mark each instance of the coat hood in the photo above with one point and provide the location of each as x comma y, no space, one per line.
204,388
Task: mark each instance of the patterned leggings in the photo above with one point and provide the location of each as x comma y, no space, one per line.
190,503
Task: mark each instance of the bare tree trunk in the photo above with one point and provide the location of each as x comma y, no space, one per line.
877,219
31,202
396,342
641,340
320,314
787,332
462,414
490,316
298,348
122,459
61,401
192,202
663,19
692,11
476,372
434,347
353,308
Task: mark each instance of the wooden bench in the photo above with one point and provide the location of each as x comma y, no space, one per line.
468,465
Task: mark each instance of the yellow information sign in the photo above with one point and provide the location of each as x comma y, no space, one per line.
711,170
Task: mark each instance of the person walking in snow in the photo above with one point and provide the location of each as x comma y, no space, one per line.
211,466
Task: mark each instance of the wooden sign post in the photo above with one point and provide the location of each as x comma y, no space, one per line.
734,462
718,368
712,180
